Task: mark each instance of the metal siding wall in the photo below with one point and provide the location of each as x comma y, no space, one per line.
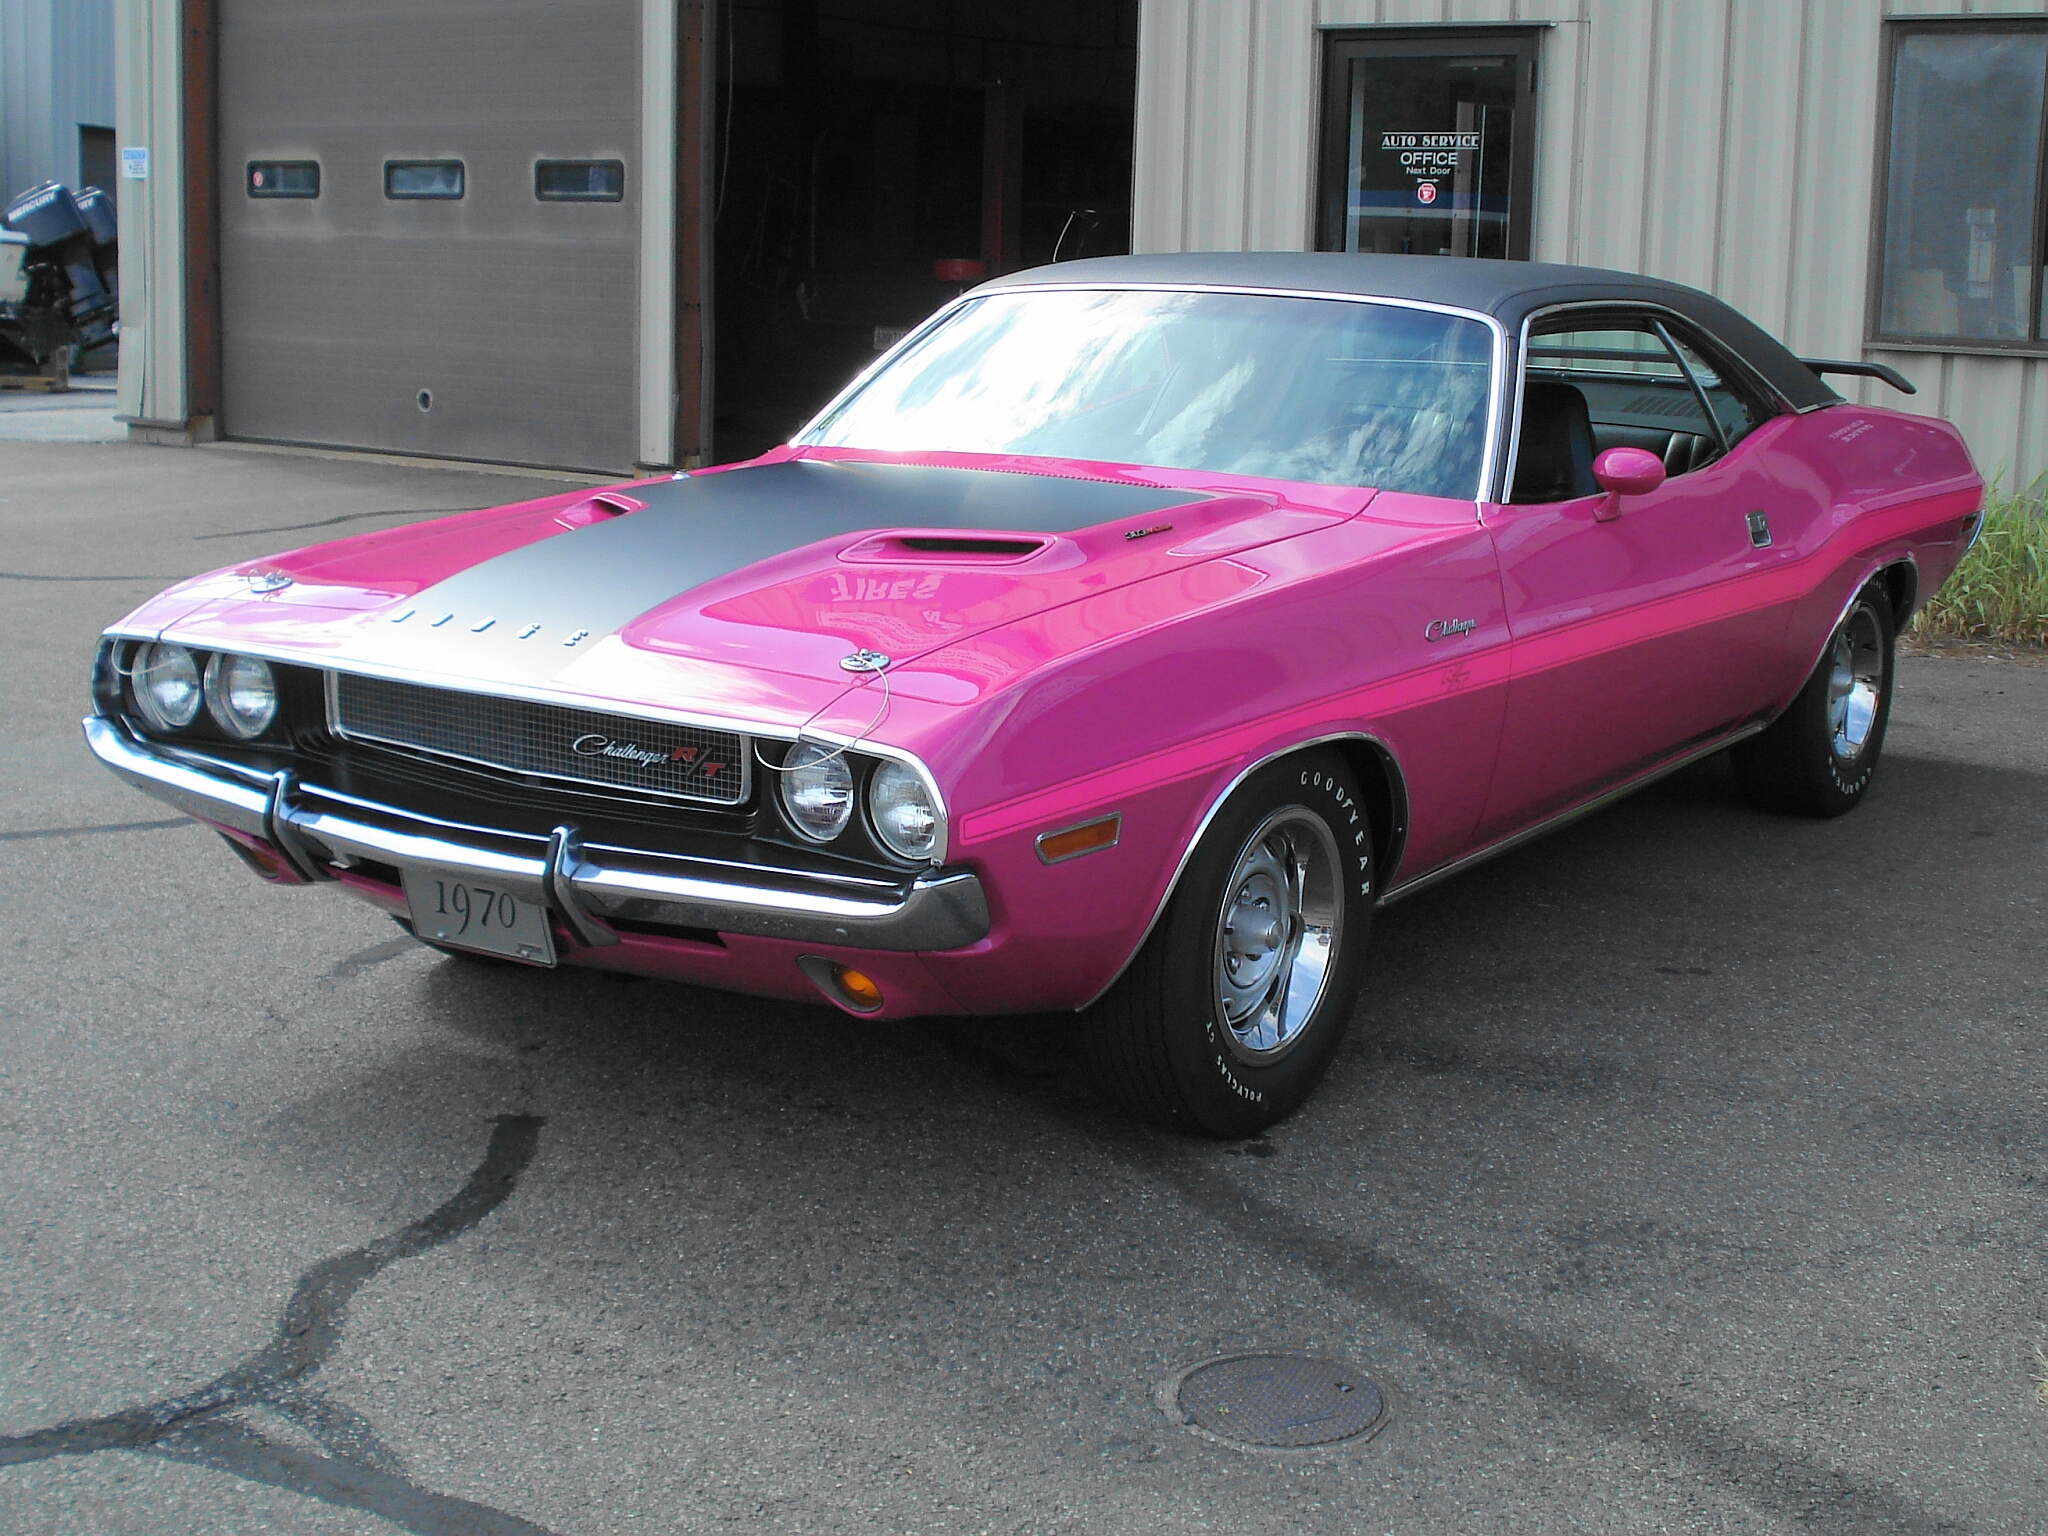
1610,189
1560,126
1159,152
1280,197
56,72
1220,175
1713,174
1837,94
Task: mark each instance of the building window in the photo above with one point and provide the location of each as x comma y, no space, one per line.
1964,208
409,179
283,178
579,181
1428,142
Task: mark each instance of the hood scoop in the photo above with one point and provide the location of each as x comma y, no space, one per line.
602,507
937,548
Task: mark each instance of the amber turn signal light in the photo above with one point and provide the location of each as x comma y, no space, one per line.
842,983
1072,842
856,987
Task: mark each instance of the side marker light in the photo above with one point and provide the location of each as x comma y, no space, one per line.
853,990
1071,842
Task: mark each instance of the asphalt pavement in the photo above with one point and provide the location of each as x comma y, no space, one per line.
1684,1171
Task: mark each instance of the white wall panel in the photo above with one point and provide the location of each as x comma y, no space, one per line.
1983,398
149,114
1611,160
1159,153
1757,216
1841,59
2030,460
1219,176
1280,191
1726,143
1560,107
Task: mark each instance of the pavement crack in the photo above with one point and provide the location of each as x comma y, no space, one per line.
25,576
1782,1480
205,1425
26,833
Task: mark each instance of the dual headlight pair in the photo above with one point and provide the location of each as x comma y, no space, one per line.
171,687
818,793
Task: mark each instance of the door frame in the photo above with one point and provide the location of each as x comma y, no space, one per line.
1342,45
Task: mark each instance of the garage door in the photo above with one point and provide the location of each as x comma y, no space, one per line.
429,226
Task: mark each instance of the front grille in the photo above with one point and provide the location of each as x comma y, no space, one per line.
648,757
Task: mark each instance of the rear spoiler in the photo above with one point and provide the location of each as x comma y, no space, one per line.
1891,376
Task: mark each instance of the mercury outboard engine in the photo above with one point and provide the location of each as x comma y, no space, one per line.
68,284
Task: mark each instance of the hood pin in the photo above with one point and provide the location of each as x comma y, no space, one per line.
265,582
863,661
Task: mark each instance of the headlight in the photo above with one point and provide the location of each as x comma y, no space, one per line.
905,815
241,695
166,682
817,790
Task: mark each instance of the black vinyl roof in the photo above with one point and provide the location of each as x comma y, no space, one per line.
1507,290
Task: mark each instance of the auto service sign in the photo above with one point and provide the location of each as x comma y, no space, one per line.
1427,158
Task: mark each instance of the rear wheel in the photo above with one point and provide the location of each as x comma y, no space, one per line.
1818,757
1232,1011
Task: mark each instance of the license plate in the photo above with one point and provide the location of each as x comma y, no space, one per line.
463,911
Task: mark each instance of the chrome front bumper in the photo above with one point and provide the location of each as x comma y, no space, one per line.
587,885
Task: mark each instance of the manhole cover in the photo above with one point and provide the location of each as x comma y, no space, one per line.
1276,1399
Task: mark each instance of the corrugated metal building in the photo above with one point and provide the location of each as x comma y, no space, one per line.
56,93
1747,147
586,234
790,178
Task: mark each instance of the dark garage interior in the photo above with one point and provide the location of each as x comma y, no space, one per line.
874,158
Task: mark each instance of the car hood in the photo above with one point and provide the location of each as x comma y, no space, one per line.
775,570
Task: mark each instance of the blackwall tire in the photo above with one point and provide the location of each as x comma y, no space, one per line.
1818,758
1234,1008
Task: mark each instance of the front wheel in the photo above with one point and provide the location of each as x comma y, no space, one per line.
1818,757
1232,1011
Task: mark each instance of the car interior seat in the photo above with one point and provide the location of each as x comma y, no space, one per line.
1555,459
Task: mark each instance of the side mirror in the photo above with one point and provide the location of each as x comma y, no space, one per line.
1625,472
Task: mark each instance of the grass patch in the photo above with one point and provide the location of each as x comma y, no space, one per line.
2000,591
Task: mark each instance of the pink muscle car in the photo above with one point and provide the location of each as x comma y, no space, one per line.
1120,641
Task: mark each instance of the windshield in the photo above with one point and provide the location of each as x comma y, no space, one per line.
1330,391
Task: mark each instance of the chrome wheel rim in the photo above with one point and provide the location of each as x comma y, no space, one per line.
1855,682
1276,938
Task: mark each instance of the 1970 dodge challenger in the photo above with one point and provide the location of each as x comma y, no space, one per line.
1118,642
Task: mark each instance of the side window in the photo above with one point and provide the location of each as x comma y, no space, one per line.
1738,409
1595,383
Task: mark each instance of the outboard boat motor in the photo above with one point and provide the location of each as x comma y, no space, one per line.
96,207
70,271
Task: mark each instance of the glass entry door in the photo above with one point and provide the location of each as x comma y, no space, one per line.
1428,143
